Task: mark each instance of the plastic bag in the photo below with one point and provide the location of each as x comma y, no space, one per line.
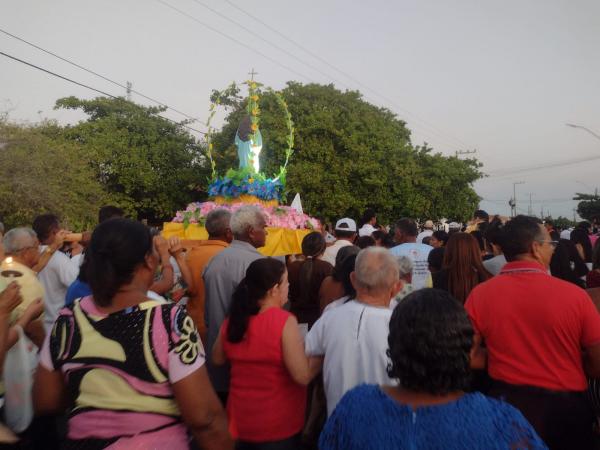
19,368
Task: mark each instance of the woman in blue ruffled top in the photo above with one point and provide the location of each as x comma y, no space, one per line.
430,347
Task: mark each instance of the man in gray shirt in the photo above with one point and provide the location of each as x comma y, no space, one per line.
222,275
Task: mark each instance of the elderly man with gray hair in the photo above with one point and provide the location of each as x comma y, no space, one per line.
21,247
353,336
222,275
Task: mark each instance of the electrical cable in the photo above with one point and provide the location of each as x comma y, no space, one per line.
74,64
87,87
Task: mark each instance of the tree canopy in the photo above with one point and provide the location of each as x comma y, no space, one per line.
151,166
41,172
588,206
350,155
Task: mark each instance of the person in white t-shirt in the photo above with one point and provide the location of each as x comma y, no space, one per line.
369,220
345,232
60,271
405,234
353,337
427,231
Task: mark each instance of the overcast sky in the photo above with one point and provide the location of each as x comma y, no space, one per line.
500,77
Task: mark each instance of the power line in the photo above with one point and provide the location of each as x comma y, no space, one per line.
502,173
258,52
257,35
74,64
274,61
437,131
49,72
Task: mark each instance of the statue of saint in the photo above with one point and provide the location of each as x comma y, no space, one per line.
248,149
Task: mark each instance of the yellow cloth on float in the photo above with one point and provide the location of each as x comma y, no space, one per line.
280,241
244,198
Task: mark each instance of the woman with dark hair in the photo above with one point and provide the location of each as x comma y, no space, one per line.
580,236
338,285
365,241
269,370
566,263
305,279
438,239
462,268
129,370
493,235
593,277
430,347
383,239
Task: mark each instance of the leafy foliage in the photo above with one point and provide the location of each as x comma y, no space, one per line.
588,206
349,155
151,165
41,172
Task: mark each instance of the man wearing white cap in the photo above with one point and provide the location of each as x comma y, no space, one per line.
345,232
427,231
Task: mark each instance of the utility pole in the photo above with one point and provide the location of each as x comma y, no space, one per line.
129,85
530,209
464,152
574,216
513,200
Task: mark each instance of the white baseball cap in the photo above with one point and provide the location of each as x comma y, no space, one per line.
345,224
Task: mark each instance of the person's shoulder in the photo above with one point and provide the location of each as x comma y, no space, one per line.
363,391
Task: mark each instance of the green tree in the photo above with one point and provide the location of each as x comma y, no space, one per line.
41,172
350,155
561,222
588,206
151,165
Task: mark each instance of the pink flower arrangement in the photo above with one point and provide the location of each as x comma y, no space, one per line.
277,216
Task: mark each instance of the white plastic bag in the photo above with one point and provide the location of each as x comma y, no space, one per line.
19,368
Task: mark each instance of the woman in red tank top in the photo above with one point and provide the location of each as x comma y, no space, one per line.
269,370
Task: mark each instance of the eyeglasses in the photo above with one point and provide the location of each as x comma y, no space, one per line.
552,243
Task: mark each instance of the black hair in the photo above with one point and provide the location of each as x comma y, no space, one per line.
44,225
109,212
407,226
342,274
435,259
494,232
387,240
426,240
367,216
261,275
481,214
566,263
313,245
518,234
580,236
344,233
245,128
118,247
365,241
441,235
430,342
479,237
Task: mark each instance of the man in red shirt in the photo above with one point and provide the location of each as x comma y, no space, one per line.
535,327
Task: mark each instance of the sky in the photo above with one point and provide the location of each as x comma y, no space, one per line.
501,78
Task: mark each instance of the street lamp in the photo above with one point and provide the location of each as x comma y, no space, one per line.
581,127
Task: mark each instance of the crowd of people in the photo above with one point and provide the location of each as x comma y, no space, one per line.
418,335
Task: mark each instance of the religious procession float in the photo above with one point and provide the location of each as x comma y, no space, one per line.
247,185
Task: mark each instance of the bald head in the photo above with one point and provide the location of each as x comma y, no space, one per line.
376,271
